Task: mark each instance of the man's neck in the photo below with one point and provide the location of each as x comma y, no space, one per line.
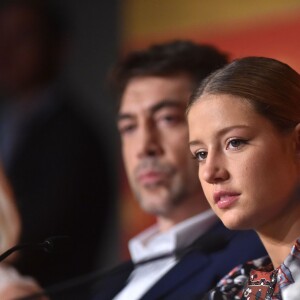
181,213
165,223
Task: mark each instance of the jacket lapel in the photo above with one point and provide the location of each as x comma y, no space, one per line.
193,261
186,268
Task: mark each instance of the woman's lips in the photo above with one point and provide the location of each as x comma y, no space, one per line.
225,199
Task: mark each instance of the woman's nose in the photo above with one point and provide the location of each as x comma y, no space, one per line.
214,170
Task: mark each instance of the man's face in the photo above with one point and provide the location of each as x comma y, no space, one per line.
154,138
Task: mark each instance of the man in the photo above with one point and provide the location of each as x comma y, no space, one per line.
57,166
154,86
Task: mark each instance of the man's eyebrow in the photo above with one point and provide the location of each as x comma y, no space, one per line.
167,103
124,116
156,107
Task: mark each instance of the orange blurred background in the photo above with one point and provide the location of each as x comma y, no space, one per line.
241,28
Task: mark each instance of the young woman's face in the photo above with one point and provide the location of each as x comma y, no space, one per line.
247,168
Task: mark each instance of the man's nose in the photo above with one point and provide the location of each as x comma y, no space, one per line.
150,141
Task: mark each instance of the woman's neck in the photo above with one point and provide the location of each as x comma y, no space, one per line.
280,235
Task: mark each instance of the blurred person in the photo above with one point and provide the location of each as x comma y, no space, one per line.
249,168
154,86
12,284
59,169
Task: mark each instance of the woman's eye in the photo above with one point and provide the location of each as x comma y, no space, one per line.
235,144
201,155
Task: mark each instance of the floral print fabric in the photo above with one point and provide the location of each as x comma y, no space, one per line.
257,280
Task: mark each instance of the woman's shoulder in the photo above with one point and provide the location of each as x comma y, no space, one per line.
243,270
233,284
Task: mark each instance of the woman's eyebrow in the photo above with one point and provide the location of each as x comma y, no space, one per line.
221,132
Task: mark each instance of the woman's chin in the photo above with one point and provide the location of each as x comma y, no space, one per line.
236,224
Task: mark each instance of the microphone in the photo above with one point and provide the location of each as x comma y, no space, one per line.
55,244
205,244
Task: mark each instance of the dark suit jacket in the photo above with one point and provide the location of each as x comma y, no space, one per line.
212,257
62,179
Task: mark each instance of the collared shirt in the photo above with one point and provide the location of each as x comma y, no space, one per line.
291,292
152,243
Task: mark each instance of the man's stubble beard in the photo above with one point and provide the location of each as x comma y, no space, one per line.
162,198
159,198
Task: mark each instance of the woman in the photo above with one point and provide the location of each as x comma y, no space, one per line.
12,284
244,123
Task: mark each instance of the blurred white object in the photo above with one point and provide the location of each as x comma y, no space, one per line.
291,292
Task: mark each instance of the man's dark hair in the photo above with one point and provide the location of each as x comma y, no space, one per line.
167,59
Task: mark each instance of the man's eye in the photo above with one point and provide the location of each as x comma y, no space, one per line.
169,118
126,128
201,155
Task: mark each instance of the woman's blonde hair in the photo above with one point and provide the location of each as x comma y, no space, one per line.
270,86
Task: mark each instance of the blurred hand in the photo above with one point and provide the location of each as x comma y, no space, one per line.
14,286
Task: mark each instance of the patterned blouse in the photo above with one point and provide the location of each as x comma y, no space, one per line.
257,280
